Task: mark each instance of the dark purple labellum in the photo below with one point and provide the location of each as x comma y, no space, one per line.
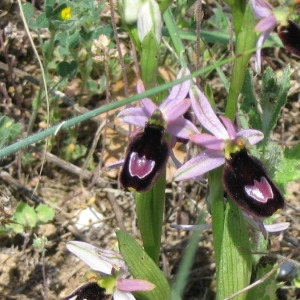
290,36
89,291
146,156
247,183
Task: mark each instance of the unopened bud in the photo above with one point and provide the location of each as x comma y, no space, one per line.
149,19
129,10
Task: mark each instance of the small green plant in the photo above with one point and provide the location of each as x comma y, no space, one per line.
9,130
27,217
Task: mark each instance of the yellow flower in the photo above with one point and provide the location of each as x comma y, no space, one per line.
66,13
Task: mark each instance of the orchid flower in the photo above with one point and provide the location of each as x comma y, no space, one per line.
148,151
244,177
224,139
112,271
270,19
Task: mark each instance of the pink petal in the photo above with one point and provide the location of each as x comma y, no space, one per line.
175,109
257,223
266,25
140,166
229,126
178,91
134,285
149,106
114,166
261,9
134,115
206,115
140,86
177,163
182,128
261,190
208,141
253,136
200,164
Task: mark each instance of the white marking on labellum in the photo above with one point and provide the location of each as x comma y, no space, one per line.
261,190
140,166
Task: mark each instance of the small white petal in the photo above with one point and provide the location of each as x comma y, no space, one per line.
277,227
97,259
118,295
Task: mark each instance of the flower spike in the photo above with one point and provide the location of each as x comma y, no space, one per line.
244,178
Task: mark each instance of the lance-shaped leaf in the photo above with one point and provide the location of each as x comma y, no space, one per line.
141,266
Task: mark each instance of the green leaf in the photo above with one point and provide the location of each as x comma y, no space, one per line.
44,213
290,166
267,289
106,30
28,13
74,40
25,215
9,130
50,3
235,258
244,23
42,21
48,11
141,266
272,158
65,69
28,10
273,99
250,105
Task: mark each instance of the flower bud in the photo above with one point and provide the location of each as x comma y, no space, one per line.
149,19
247,183
129,10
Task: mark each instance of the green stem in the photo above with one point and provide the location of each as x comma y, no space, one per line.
150,211
215,199
245,41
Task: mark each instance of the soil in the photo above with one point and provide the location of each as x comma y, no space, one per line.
70,188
